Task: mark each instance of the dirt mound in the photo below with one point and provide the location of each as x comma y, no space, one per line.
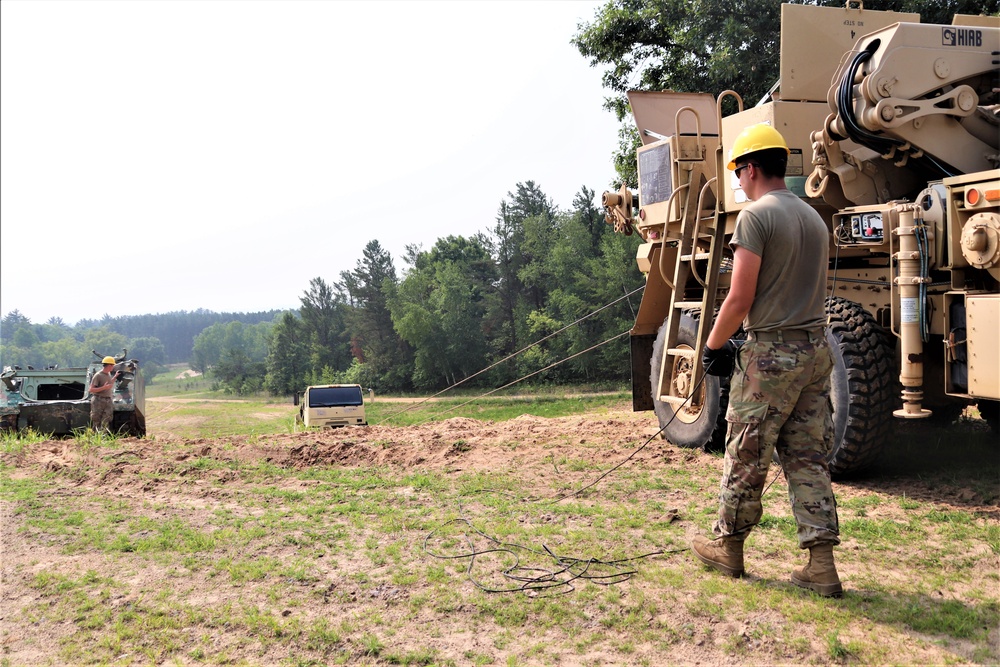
535,445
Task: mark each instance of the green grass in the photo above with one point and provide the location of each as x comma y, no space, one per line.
193,409
337,565
167,384
14,442
491,408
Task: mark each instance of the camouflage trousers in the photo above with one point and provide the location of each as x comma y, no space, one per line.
780,401
101,412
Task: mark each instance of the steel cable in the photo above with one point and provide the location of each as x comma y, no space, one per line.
521,351
562,574
522,378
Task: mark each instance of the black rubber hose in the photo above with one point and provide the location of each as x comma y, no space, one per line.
880,144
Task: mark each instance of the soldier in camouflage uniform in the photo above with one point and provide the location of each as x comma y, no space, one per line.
779,397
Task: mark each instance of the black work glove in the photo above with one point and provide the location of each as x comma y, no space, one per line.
720,362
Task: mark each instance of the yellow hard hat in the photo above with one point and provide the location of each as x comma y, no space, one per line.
755,138
108,360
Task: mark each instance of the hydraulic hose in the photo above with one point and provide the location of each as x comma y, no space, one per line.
910,285
880,144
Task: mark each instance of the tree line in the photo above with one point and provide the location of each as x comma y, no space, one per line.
458,308
454,309
156,340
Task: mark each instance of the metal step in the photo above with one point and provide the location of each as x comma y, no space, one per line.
684,305
697,256
681,352
673,400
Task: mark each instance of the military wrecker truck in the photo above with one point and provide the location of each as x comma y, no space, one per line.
894,136
56,401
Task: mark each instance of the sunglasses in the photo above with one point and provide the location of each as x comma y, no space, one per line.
744,166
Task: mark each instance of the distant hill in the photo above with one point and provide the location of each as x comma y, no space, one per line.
175,330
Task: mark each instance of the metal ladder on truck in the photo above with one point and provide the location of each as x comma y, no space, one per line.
681,372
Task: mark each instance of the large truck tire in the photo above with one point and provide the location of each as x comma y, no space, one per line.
861,386
701,426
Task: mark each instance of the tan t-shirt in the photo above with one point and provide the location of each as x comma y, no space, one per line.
793,243
99,380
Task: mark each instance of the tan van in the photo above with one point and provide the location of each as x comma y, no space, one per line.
332,405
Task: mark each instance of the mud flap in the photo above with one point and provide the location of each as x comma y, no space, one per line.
641,352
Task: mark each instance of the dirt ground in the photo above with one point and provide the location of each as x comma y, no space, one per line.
528,447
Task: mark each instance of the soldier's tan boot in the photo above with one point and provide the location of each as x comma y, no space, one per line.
725,555
820,574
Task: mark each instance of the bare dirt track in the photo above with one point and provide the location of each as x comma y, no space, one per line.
166,479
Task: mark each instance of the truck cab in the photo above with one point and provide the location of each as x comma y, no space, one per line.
332,405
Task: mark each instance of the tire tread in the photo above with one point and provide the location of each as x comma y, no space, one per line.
866,352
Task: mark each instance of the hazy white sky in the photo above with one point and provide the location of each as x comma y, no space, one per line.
163,156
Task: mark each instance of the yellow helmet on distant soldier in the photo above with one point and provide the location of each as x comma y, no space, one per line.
108,360
755,138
